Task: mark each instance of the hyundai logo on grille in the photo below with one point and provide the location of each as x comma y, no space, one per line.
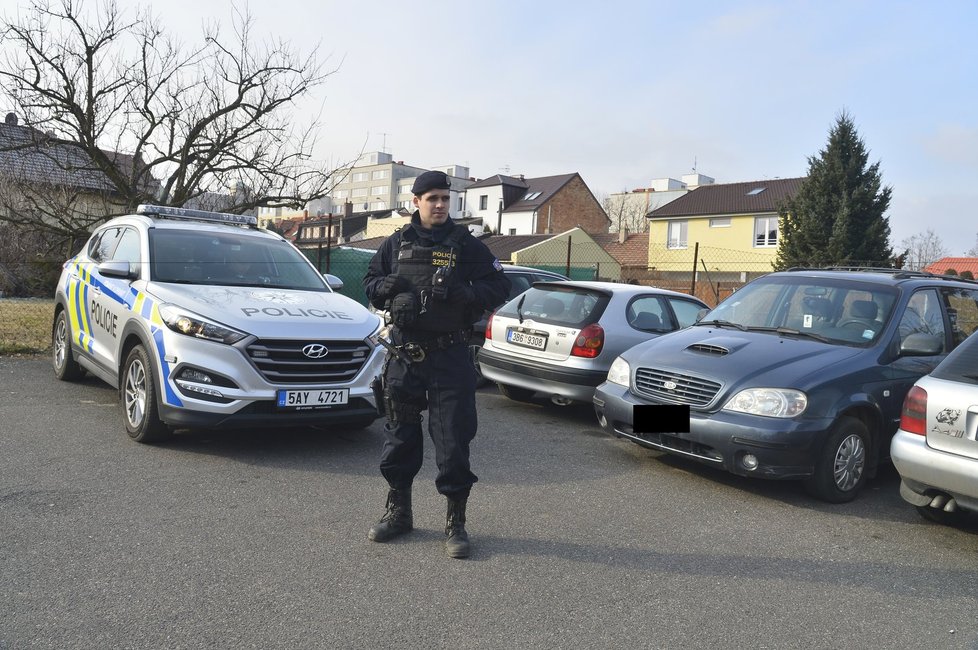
669,385
315,350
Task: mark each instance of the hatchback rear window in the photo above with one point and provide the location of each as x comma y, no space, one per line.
570,306
961,364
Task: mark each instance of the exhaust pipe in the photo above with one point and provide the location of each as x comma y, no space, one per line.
560,400
944,502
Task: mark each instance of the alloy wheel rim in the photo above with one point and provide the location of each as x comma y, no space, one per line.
60,343
850,461
135,393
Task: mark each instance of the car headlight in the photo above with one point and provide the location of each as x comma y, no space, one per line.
190,324
619,372
769,402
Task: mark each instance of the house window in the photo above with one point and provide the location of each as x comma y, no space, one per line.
404,189
359,191
341,194
484,202
512,231
379,174
378,190
360,176
529,196
720,222
765,231
677,234
461,199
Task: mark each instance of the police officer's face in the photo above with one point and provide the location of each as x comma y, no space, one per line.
433,207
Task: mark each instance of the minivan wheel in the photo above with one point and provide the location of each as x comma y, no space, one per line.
840,469
142,418
65,366
516,393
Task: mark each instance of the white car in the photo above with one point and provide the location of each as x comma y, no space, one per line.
200,319
936,450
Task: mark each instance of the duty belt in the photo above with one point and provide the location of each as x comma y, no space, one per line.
416,351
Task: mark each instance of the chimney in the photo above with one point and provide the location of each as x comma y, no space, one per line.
10,119
347,209
622,235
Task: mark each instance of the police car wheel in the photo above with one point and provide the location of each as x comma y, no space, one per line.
65,366
139,399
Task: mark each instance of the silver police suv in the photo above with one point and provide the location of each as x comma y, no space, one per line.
201,319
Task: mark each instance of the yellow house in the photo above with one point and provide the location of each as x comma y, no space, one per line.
727,230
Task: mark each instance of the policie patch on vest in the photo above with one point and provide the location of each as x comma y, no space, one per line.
660,418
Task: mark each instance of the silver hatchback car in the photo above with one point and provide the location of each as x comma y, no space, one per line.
559,338
936,450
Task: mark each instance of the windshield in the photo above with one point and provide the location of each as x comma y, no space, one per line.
229,259
836,310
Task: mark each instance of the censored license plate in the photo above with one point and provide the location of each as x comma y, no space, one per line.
537,340
294,400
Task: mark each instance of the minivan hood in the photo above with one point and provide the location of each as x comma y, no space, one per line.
273,313
742,359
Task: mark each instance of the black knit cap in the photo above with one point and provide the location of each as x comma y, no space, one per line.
430,181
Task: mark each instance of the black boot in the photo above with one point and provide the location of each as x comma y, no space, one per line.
457,542
397,520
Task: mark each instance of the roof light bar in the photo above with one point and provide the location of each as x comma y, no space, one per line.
196,215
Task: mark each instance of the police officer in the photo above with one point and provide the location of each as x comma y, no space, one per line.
435,280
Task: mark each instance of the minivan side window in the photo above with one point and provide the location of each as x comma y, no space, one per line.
102,246
686,311
962,312
923,315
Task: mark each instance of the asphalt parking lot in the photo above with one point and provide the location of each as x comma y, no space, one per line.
258,539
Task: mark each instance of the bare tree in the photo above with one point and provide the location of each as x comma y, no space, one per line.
627,211
973,251
922,249
215,117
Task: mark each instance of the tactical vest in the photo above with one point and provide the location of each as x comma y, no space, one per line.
418,265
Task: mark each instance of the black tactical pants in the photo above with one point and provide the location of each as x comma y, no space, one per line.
445,381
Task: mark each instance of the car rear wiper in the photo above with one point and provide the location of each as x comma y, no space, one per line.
723,323
519,308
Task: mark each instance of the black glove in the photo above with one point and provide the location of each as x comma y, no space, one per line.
390,286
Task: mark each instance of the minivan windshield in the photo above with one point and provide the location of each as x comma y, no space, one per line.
229,259
833,310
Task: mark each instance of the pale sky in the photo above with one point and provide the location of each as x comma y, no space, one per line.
626,91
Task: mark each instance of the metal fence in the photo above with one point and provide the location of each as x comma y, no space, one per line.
25,325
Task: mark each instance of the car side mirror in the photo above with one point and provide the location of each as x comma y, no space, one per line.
920,344
333,281
117,269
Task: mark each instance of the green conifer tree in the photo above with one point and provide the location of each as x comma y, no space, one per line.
837,215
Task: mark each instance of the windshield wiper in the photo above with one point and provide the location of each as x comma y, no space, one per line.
723,323
519,308
793,332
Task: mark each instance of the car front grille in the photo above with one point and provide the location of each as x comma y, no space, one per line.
675,387
282,362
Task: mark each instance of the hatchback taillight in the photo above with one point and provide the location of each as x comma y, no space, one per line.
589,342
913,418
489,327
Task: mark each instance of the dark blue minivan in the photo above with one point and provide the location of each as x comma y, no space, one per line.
800,374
